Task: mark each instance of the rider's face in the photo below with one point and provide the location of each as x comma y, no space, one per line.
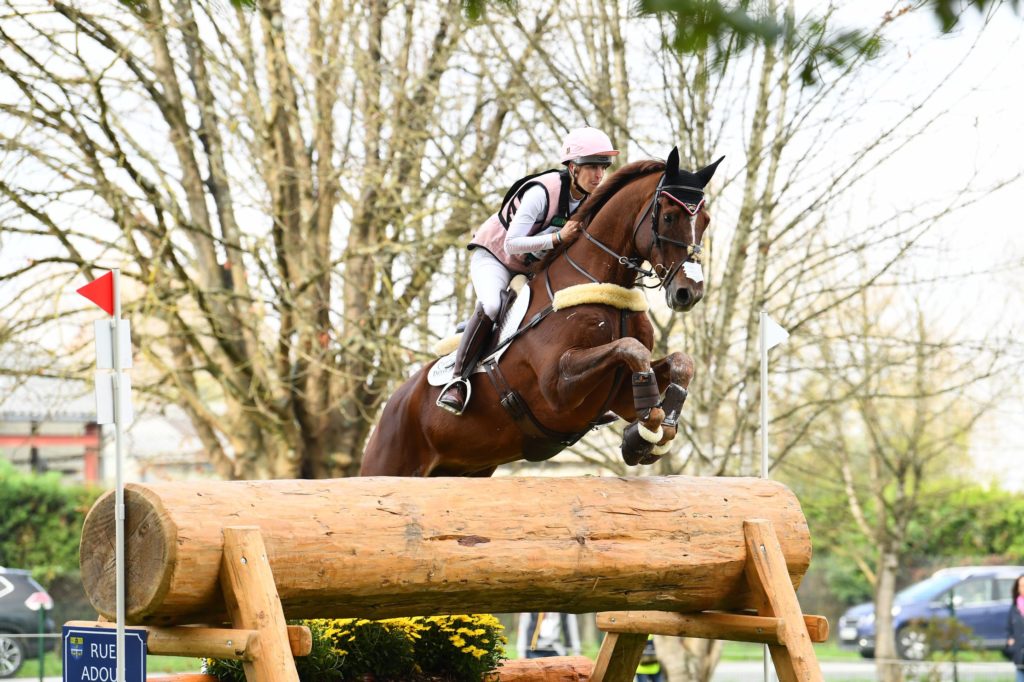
589,176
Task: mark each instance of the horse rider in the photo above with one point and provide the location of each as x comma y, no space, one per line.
534,218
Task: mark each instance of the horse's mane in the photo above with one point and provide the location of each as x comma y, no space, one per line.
586,213
606,190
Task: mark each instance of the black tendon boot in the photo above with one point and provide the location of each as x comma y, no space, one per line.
474,339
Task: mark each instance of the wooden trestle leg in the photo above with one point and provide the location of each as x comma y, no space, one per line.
775,597
779,622
253,604
619,657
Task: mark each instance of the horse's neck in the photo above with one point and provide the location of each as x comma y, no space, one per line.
614,230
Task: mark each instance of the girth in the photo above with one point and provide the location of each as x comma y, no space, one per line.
540,442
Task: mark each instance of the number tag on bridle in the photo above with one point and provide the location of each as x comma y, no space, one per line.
693,271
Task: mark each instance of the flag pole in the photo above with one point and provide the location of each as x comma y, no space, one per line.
764,393
763,343
119,494
106,293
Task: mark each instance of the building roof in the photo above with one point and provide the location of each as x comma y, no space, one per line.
24,399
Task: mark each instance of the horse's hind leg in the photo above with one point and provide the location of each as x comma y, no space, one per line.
386,455
398,446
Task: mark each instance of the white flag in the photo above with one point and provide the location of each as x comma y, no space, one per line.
105,398
773,333
105,344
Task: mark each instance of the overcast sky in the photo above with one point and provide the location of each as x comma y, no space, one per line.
977,144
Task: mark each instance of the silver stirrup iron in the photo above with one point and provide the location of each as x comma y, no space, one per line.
465,403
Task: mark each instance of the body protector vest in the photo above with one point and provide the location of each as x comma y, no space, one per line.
492,232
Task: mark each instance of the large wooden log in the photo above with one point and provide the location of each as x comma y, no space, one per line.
381,547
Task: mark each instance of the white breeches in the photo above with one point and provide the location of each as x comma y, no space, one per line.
490,277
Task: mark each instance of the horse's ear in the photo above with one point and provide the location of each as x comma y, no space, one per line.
705,174
672,163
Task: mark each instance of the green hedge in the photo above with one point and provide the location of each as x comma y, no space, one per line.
41,522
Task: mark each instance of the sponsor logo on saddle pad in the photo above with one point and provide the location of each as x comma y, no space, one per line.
441,373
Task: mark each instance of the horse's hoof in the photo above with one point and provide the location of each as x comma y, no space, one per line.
634,446
649,459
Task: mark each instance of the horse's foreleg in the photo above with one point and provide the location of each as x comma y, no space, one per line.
580,369
675,368
674,373
678,369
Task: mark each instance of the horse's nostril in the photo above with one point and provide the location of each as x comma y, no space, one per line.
682,296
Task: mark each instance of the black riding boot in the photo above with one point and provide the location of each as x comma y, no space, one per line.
455,395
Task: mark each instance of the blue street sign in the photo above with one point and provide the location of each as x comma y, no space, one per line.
90,655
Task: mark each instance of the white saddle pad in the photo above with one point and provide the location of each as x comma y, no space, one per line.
441,373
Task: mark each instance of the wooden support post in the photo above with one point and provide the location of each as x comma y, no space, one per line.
253,604
736,627
772,590
817,628
731,626
619,657
203,642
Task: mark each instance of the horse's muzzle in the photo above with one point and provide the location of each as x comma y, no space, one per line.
683,298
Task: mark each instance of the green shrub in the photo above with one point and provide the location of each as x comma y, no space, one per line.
383,648
42,522
323,663
227,670
439,648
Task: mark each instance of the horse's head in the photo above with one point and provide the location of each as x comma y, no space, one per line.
677,226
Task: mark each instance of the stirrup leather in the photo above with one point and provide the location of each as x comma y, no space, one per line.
469,394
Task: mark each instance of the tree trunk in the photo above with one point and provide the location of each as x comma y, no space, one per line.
889,669
688,659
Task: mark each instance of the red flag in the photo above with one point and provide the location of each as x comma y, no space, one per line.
101,292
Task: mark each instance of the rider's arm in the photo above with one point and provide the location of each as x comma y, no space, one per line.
531,209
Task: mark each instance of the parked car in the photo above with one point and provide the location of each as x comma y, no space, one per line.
977,597
16,618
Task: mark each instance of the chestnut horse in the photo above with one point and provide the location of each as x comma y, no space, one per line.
560,376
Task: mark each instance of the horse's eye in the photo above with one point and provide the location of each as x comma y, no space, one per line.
669,218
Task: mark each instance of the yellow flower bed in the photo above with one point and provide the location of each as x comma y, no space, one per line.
435,648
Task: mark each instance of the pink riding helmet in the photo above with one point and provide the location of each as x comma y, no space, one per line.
587,145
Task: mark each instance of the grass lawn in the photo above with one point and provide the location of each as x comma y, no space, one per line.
746,651
830,651
731,651
53,666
